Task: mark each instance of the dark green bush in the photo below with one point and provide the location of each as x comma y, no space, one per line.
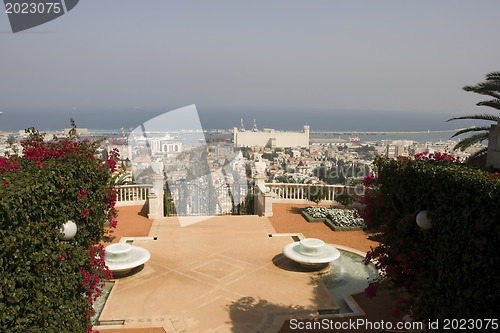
345,196
49,285
450,270
316,193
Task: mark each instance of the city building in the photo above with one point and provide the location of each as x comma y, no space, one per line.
271,138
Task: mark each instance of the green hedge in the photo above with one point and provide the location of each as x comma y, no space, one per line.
49,285
450,270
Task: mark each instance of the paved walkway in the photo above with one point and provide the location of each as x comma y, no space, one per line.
132,222
225,274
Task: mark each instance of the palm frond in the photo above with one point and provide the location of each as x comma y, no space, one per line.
471,140
493,76
493,103
471,129
489,88
477,156
489,117
121,179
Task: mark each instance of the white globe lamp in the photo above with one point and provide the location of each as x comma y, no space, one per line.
423,220
68,231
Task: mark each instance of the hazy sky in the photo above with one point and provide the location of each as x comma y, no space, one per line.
135,59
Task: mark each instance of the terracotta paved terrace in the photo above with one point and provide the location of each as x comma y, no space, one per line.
223,274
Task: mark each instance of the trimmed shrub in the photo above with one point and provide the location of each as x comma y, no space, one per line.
450,270
316,193
46,284
344,197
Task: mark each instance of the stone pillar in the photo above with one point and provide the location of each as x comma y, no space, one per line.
260,180
155,198
263,204
268,204
158,185
154,207
493,153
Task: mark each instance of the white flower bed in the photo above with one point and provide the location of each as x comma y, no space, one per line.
339,217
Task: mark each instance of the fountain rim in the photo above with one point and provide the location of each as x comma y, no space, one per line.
125,248
127,266
290,252
356,308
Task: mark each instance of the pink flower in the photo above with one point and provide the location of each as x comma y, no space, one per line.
86,212
6,183
82,194
111,165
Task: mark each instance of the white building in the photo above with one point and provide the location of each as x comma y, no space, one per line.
271,138
164,145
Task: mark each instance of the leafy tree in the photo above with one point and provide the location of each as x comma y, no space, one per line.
316,193
490,87
270,156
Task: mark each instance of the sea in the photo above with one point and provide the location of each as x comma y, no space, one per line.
418,126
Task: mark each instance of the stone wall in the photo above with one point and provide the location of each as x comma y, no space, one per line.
493,157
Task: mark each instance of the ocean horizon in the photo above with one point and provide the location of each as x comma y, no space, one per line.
282,120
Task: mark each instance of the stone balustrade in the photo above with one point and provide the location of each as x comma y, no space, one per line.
265,194
295,193
132,195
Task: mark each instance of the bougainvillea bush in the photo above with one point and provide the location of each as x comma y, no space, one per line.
46,284
448,271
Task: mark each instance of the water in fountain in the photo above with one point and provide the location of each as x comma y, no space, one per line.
349,274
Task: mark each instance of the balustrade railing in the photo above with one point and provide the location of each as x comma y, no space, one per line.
294,192
131,195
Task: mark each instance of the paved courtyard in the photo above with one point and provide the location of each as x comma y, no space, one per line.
226,274
223,274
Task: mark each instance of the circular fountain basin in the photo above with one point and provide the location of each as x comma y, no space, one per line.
123,257
348,275
311,252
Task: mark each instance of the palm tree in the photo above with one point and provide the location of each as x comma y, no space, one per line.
490,87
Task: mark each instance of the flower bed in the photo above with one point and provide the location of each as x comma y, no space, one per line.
335,218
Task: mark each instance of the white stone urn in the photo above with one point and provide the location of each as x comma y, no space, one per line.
260,167
68,231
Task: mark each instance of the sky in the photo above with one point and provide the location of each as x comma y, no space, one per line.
366,65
